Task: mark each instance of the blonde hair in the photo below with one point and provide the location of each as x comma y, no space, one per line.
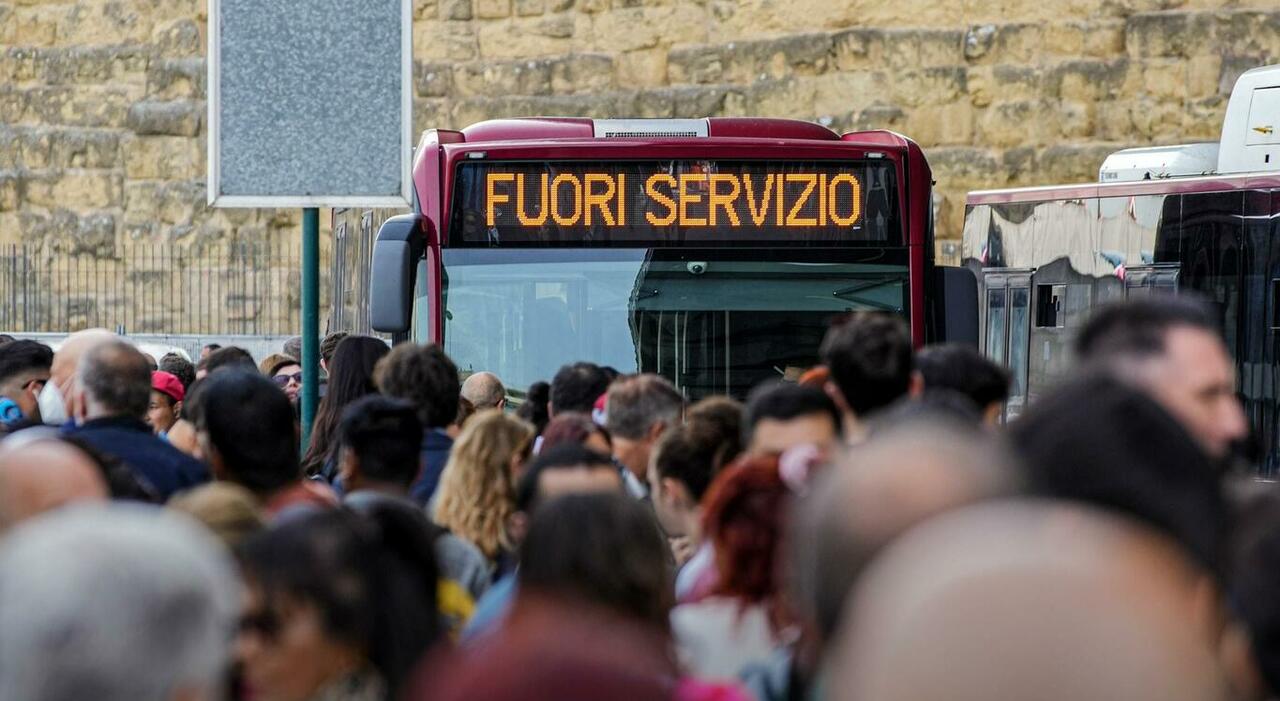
477,490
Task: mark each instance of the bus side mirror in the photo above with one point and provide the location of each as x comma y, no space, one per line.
395,255
956,305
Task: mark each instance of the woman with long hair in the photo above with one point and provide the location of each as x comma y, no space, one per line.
350,378
476,497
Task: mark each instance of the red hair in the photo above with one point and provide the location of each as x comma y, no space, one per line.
743,514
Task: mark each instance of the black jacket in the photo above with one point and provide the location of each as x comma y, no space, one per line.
151,459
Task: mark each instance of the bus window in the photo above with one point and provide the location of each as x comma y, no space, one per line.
996,324
1049,300
1019,329
420,321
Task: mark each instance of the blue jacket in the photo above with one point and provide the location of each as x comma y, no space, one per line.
152,459
436,445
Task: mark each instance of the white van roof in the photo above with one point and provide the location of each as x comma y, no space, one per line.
1157,162
1251,130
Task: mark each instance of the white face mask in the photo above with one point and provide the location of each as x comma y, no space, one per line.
53,407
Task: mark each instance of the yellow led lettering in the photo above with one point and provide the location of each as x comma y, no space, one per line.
556,214
492,197
650,188
757,213
715,199
622,199
822,200
782,185
855,199
521,212
793,217
687,198
599,201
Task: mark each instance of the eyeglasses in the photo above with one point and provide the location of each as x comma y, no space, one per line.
283,380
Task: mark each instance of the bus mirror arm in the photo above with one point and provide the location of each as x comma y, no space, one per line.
396,251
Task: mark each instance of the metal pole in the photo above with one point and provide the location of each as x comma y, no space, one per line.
310,318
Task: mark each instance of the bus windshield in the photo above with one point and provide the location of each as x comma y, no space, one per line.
712,320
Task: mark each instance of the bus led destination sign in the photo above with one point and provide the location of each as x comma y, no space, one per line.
643,202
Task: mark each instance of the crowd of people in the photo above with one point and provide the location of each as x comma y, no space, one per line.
882,529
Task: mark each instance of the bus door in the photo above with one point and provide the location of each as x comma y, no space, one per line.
1007,324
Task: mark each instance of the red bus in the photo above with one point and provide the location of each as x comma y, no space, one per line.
715,252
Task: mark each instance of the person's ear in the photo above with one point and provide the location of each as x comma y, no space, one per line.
656,431
212,458
348,467
916,386
177,409
670,492
518,526
836,395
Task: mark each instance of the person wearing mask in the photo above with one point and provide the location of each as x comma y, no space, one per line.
24,371
113,392
485,391
165,408
428,379
476,498
1171,349
780,416
350,378
576,387
57,399
246,432
956,367
285,372
114,602
339,605
869,359
640,409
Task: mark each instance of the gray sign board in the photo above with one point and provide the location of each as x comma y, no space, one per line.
310,103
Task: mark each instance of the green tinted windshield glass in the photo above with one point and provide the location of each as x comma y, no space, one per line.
712,321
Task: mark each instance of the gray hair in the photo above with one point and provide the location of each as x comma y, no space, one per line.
484,390
113,603
636,403
117,378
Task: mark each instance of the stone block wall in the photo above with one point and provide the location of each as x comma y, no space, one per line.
102,101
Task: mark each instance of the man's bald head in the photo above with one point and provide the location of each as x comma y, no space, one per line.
72,349
903,475
484,390
1026,599
44,474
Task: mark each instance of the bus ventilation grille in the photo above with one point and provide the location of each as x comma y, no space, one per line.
649,134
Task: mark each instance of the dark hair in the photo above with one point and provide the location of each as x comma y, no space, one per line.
212,346
869,357
561,457
180,368
724,416
350,377
1254,580
371,576
692,454
601,549
17,357
783,401
1102,442
250,423
118,377
570,427
534,407
1137,328
385,435
576,387
6,338
961,368
330,344
229,357
424,375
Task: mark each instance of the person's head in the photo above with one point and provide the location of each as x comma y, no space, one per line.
208,349
1171,348
1028,599
1103,442
246,431
640,408
684,462
781,415
378,443
576,387
292,347
569,468
425,376
229,511
114,603
165,406
598,550
24,370
228,357
44,473
1251,645
328,346
476,496
962,369
870,363
576,427
350,378
534,407
285,371
58,400
723,415
485,391
113,379
180,368
900,477
332,593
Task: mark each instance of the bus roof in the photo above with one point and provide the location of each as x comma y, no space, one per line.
1213,183
577,128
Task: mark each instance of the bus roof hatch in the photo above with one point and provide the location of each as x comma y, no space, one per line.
649,128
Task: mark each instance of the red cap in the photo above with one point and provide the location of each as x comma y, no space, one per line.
168,383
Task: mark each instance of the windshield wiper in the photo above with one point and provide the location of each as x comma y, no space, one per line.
853,292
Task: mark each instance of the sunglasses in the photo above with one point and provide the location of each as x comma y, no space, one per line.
283,380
